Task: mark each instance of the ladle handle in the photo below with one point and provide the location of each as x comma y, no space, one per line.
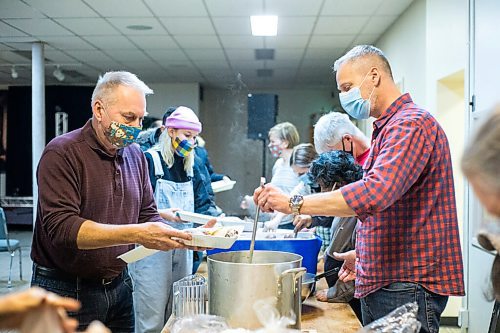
256,223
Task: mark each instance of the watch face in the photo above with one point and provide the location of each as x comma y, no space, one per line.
296,199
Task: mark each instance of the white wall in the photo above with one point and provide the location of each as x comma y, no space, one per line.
224,116
170,94
404,44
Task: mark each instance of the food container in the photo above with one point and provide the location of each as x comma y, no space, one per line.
235,285
189,296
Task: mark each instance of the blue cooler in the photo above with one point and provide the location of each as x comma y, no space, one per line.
308,248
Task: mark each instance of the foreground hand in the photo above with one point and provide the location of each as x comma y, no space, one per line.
348,270
158,236
169,214
322,295
16,307
271,199
302,221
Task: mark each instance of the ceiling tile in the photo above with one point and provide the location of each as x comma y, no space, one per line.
241,42
323,54
284,63
154,42
340,25
242,54
88,26
235,8
125,56
110,42
292,7
20,43
349,8
177,8
206,65
332,41
67,43
289,42
238,64
167,55
66,8
88,56
393,7
123,23
196,42
365,39
18,9
286,53
295,25
5,47
116,8
378,24
7,30
188,25
206,54
232,26
57,56
39,27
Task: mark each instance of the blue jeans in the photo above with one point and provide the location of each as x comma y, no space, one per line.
383,301
110,303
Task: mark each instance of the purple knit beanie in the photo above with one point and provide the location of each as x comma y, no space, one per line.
183,118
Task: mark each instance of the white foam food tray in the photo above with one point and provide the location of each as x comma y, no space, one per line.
223,185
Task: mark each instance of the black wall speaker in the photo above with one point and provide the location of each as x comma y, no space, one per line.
262,112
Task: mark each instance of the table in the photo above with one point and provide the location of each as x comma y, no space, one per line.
327,317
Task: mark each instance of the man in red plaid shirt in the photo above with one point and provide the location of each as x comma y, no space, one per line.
408,244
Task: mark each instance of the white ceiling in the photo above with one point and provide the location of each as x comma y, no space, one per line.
206,41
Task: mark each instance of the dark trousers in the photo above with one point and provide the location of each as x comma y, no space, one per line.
109,301
383,301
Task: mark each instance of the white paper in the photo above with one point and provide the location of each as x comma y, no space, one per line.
138,253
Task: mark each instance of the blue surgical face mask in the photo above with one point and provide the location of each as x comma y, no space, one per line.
354,104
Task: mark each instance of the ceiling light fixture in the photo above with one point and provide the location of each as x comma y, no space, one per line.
58,74
264,25
14,73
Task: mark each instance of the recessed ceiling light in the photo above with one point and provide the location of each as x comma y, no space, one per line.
139,27
264,25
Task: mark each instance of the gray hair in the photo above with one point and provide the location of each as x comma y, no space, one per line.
482,155
330,128
361,51
111,80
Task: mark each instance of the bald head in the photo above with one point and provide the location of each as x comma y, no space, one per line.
364,57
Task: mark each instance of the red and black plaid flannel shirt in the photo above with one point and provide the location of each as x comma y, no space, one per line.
406,203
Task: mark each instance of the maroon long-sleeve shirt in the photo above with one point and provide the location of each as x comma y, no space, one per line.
78,180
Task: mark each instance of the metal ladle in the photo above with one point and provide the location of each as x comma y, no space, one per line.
255,223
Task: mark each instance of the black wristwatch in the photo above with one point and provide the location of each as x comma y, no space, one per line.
295,203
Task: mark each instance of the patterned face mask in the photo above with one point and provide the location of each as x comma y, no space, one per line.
182,148
121,135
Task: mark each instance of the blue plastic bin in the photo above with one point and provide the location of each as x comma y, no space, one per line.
307,248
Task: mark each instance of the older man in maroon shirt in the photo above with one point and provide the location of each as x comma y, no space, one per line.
94,202
408,245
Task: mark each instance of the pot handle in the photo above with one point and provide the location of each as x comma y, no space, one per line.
296,274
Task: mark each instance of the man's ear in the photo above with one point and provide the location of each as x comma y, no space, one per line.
97,110
347,137
375,76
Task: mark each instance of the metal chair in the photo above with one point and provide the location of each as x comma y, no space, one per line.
9,245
